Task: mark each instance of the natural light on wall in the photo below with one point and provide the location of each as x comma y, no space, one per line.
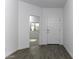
31,19
37,26
33,40
34,26
75,29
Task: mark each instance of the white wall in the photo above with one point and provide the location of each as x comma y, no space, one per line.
48,15
25,10
11,26
68,26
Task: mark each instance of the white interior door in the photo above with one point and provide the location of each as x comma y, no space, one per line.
53,30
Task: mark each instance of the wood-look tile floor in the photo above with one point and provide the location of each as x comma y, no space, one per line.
42,52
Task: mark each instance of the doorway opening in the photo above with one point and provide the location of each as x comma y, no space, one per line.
34,31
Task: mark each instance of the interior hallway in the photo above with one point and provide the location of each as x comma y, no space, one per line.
42,52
